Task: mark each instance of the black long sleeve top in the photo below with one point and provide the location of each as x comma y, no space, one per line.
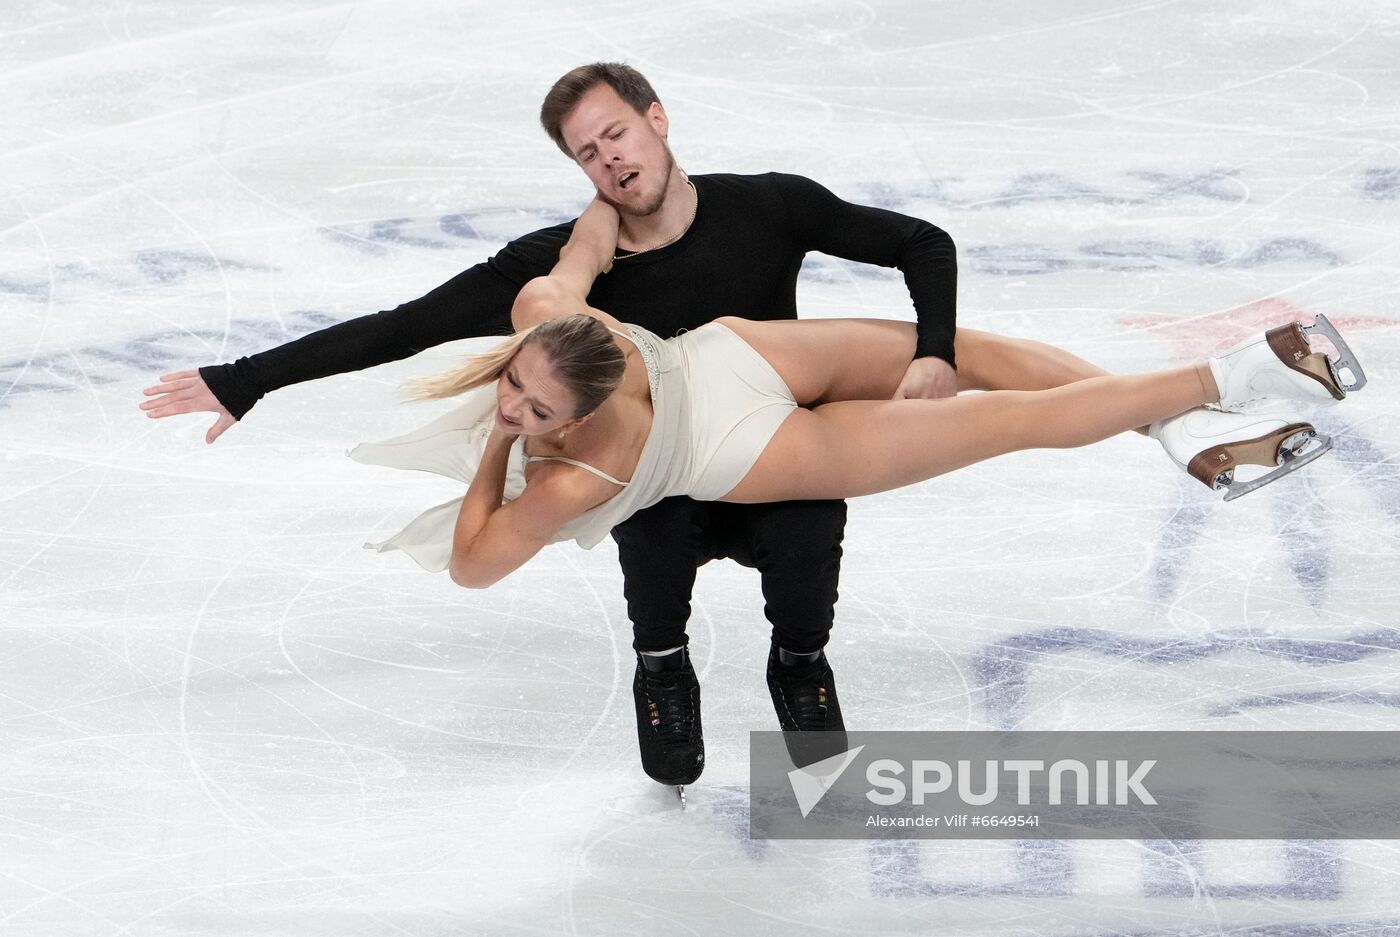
740,256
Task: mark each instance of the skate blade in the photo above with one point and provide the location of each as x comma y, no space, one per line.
680,792
1346,370
1289,462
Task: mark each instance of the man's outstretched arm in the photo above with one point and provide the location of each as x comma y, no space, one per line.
473,304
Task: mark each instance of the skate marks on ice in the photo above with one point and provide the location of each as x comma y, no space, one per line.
148,268
1382,185
1129,188
1002,672
1138,255
1308,545
489,227
1318,544
485,226
142,357
182,267
936,198
1308,873
1301,871
1141,188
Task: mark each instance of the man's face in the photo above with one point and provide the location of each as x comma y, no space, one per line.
623,153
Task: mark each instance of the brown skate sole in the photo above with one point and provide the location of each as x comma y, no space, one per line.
1291,346
1215,466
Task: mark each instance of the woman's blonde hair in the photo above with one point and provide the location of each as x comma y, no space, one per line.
585,356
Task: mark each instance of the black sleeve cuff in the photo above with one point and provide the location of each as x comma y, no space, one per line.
223,381
935,346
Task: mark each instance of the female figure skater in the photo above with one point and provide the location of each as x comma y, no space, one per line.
579,420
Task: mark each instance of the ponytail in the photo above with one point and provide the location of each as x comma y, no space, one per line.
473,372
584,354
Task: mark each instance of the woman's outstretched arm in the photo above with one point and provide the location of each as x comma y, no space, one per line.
564,291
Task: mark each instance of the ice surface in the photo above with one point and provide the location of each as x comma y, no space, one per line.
218,715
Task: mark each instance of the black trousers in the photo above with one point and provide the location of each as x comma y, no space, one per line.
794,545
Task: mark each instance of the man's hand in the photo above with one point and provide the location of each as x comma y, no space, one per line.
186,392
927,379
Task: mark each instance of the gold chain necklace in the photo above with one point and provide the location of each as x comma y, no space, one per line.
694,208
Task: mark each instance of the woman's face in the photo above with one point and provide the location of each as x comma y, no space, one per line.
531,399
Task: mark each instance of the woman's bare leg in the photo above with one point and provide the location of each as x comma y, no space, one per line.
857,447
824,360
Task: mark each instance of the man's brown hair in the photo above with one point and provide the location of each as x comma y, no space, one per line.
629,84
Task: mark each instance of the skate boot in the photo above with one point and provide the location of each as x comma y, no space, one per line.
804,696
669,734
1211,445
1256,373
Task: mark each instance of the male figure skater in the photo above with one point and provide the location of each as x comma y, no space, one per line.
690,249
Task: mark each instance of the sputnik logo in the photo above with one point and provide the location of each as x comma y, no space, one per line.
810,784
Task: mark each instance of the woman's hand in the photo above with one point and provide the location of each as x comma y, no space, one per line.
589,251
602,220
501,436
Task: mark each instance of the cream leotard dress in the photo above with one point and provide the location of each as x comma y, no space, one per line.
716,402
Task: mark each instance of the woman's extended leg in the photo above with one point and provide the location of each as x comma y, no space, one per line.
858,447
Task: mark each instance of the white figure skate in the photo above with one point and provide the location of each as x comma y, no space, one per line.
1211,445
1254,375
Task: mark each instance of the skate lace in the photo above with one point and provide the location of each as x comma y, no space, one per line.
804,697
672,708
